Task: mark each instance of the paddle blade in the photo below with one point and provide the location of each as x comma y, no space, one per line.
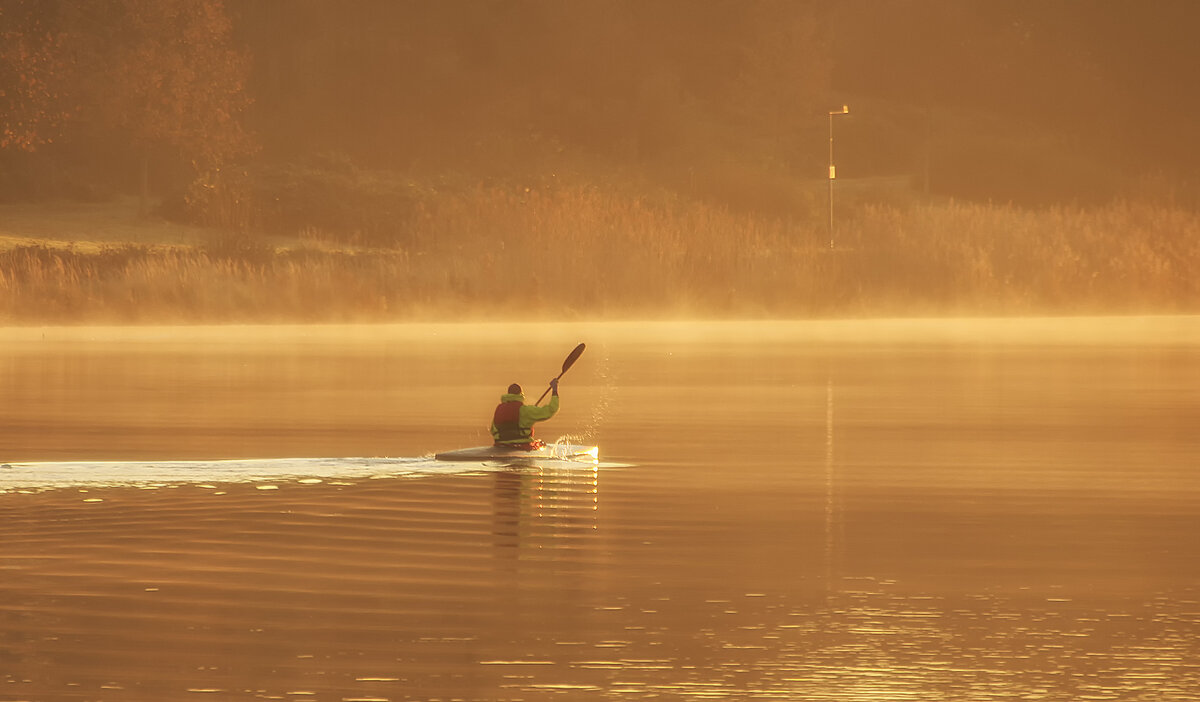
574,356
571,358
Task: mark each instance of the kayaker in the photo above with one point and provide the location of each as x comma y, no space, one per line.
512,423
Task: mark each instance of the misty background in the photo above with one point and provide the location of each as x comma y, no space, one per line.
381,122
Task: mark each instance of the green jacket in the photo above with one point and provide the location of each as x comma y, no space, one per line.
527,416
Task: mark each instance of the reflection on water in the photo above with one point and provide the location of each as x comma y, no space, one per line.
830,510
544,508
810,511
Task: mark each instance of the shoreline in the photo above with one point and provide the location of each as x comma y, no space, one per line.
580,254
1053,330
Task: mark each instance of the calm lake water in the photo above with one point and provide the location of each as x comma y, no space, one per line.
877,510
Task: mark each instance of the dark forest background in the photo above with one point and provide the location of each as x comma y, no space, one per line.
1029,100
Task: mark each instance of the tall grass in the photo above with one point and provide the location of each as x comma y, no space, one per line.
575,251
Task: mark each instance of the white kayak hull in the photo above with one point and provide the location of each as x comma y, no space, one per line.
560,452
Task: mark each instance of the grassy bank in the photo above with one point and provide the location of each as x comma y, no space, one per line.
504,252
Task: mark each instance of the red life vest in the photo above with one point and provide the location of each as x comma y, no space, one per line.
508,422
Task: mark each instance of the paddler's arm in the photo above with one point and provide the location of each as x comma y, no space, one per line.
538,414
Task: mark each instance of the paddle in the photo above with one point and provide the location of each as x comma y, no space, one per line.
571,358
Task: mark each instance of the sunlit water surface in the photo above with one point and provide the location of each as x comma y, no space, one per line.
888,510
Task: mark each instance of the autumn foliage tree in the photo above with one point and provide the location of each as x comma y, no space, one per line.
32,71
162,78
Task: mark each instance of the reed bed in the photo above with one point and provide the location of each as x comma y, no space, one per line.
575,251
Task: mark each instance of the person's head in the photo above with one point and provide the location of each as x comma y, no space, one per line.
514,389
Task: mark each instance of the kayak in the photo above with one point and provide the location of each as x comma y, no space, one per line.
559,452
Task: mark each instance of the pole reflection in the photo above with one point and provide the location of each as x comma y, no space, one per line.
829,504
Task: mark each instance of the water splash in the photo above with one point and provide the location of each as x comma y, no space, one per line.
600,404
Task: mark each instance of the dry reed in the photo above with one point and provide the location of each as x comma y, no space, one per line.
508,253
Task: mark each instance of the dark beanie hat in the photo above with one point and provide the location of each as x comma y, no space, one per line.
514,389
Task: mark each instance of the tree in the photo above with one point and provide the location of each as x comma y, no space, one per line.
156,76
166,75
31,75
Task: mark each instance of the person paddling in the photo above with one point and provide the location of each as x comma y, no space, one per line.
513,420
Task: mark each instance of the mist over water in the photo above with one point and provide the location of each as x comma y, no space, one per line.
846,510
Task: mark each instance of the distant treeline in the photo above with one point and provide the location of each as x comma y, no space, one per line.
502,253
1025,101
